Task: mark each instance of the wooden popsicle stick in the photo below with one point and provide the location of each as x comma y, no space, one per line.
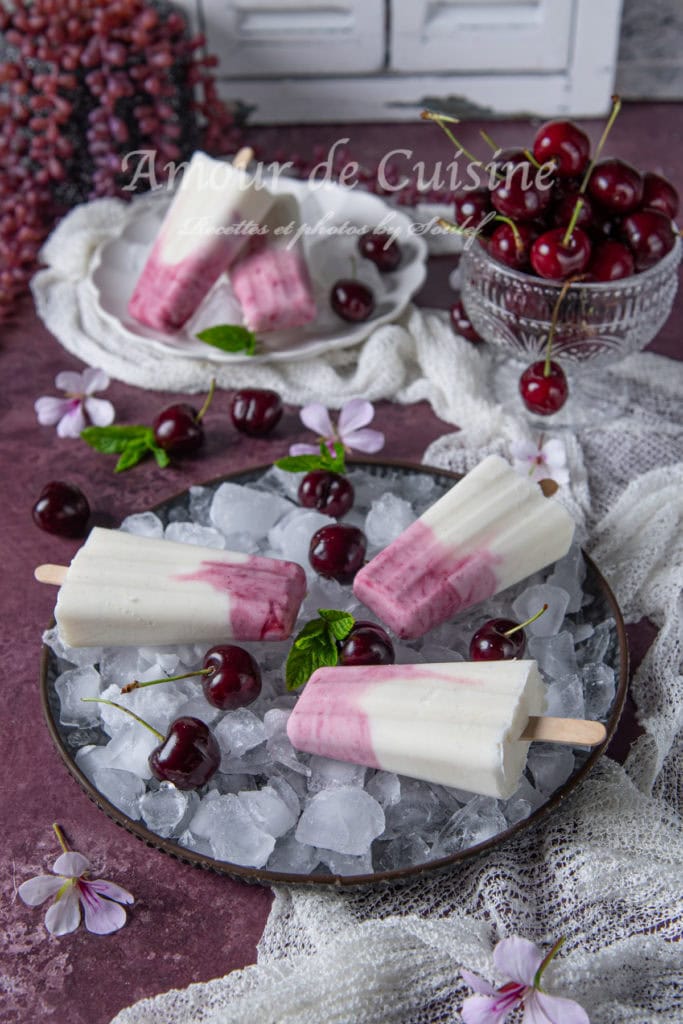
565,730
54,574
243,158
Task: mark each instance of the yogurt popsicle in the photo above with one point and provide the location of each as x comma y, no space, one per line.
492,529
202,233
270,278
122,589
458,724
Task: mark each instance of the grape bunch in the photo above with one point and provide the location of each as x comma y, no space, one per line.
83,83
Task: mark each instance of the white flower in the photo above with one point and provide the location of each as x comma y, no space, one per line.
541,461
69,413
351,429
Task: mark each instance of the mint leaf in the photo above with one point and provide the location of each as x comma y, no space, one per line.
303,661
337,464
131,455
229,338
114,439
161,456
339,624
306,463
310,633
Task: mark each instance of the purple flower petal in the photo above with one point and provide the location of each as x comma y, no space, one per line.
518,959
72,423
316,417
50,410
65,914
71,382
111,890
101,916
36,890
364,440
100,411
71,864
482,1010
478,984
355,414
94,380
304,449
544,1009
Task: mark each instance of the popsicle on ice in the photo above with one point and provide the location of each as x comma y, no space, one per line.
270,278
126,590
202,233
492,529
461,724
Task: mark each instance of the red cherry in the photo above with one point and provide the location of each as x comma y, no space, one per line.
543,395
460,322
616,185
551,258
659,194
611,261
517,196
189,755
255,411
564,208
235,679
352,301
366,644
489,643
382,248
178,430
650,235
62,508
329,492
471,207
512,247
337,551
565,144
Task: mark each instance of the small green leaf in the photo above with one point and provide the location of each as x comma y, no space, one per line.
114,439
230,338
337,464
130,457
161,456
338,623
310,633
303,661
306,463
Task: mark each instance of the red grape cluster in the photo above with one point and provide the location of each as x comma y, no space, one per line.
83,83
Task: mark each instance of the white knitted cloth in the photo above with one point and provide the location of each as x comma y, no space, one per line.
606,869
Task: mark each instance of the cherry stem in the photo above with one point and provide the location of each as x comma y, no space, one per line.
519,244
207,401
137,685
553,323
427,115
550,955
578,206
60,837
528,622
455,229
616,107
489,141
532,159
112,704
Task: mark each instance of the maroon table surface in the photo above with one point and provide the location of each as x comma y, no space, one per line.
186,925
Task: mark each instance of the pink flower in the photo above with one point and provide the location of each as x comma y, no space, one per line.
524,963
351,429
101,901
541,461
69,413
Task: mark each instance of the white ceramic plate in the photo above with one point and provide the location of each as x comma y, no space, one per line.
333,217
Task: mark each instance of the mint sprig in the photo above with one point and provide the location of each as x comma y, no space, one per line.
130,443
229,338
316,646
325,460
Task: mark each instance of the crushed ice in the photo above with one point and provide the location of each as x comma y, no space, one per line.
270,806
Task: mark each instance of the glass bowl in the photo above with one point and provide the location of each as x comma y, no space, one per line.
598,323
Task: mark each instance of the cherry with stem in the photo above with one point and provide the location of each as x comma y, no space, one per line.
501,639
543,385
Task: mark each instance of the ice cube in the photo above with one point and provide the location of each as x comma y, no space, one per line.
121,665
564,698
327,773
80,656
531,600
130,748
291,535
237,509
91,757
280,750
418,809
193,533
293,857
569,574
345,820
551,764
436,654
200,503
281,482
168,810
197,707
479,820
121,788
402,852
192,842
246,543
233,835
345,863
239,731
167,658
599,686
388,517
385,787
596,647
143,524
72,686
287,793
555,655
268,811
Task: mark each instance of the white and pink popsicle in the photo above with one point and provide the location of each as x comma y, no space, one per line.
127,590
201,235
458,724
492,529
270,278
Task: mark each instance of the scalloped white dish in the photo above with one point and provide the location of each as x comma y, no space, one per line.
333,217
